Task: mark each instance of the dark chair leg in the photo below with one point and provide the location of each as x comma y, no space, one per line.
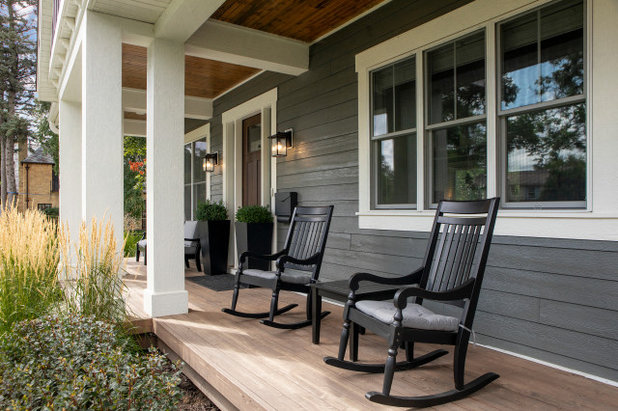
309,305
145,256
274,302
459,360
235,295
409,346
343,340
137,254
389,367
354,331
198,263
186,261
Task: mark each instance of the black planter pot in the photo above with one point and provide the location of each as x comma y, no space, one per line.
255,237
214,239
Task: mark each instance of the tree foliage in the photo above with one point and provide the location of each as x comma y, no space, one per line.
17,83
134,175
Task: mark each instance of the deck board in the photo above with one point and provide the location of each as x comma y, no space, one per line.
258,367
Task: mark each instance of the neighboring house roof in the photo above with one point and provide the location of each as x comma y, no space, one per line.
39,157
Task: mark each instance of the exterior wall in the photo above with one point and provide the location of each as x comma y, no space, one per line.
39,186
551,299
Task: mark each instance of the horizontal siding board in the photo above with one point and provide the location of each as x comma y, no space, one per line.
344,175
308,146
555,260
322,163
589,292
602,323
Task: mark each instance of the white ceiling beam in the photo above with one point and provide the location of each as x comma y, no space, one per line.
183,17
234,44
134,101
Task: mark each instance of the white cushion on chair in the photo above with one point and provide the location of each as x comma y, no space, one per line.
414,315
142,244
288,276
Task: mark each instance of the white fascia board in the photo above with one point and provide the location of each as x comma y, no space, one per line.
183,17
234,44
134,100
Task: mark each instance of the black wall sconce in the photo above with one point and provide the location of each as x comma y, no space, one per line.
281,142
210,161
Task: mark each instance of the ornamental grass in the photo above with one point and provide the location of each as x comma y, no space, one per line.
29,259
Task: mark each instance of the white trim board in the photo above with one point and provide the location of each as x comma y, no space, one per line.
231,156
599,220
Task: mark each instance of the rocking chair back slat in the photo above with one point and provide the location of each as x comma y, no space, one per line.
307,236
454,254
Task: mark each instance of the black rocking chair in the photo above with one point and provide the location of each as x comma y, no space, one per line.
298,265
452,273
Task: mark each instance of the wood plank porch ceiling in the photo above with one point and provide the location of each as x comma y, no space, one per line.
203,78
305,20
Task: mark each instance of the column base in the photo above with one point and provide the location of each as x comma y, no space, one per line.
166,303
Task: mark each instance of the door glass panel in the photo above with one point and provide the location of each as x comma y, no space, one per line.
254,138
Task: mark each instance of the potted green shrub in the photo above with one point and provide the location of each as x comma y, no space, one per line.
254,232
213,227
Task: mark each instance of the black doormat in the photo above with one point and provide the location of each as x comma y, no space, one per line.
219,282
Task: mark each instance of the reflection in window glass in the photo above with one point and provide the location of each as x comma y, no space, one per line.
199,151
188,202
254,138
459,163
394,98
546,155
199,195
396,171
546,65
187,163
456,75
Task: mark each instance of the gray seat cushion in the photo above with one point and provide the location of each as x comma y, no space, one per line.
414,315
142,244
288,276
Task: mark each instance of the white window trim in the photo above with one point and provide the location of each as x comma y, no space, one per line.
600,219
192,136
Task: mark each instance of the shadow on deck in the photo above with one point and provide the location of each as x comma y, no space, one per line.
240,363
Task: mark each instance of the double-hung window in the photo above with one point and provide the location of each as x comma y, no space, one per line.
195,176
393,134
521,135
542,108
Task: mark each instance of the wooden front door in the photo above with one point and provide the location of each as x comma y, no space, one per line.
251,160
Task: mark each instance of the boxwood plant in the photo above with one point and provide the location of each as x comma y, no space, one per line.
254,214
211,211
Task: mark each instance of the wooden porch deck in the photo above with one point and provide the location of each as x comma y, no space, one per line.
252,366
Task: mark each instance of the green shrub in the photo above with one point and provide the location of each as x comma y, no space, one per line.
211,211
77,363
131,238
254,214
52,212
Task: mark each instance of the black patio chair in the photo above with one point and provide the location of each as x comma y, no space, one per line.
452,273
298,265
192,246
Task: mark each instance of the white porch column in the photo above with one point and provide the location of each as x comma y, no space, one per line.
102,159
165,292
70,155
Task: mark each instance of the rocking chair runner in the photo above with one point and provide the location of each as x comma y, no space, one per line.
298,265
452,273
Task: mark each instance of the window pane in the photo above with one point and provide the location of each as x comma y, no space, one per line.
470,56
441,84
382,83
187,202
199,195
405,95
562,50
459,163
396,171
187,163
546,155
533,72
199,150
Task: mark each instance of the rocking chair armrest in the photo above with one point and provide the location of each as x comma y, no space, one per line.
314,259
268,257
193,240
411,278
459,293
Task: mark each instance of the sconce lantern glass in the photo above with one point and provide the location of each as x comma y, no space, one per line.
210,161
281,142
